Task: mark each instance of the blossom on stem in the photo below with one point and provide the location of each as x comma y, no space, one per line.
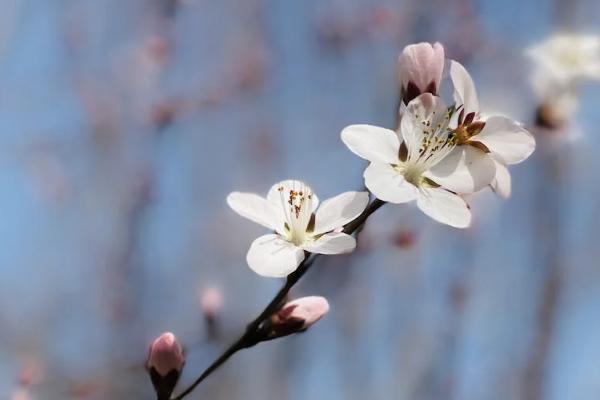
420,68
165,362
402,164
499,139
292,210
296,316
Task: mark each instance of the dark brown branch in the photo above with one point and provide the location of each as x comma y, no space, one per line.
252,332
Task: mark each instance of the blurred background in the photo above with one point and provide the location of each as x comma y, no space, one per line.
124,124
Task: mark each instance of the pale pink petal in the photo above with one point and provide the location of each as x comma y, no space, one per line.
506,139
339,210
501,184
255,208
271,256
445,207
372,143
387,184
464,88
465,170
331,243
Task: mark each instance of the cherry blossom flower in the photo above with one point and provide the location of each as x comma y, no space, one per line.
420,67
500,139
561,63
292,210
402,165
565,58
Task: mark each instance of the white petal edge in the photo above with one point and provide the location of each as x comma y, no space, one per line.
464,88
372,143
501,184
444,207
272,256
254,208
388,185
274,195
331,243
339,210
465,170
507,139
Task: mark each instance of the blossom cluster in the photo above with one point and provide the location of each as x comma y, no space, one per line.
439,153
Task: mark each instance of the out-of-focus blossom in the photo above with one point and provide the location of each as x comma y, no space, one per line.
420,68
561,63
401,164
211,301
566,58
165,362
404,238
21,394
290,209
504,140
297,316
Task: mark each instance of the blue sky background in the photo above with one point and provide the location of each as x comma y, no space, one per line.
112,223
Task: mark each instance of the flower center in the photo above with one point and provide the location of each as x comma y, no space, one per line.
297,207
436,142
414,175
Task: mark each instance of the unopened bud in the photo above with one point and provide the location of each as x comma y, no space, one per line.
420,67
165,363
297,316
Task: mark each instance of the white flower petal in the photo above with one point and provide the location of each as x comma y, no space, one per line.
339,210
507,139
465,170
372,143
501,184
424,109
271,256
278,194
389,185
445,207
255,208
331,243
464,88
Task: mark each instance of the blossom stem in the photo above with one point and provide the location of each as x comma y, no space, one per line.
251,335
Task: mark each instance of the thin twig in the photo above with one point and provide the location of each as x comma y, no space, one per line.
249,337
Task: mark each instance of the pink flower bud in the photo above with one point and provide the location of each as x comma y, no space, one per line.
297,316
165,363
166,354
420,68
